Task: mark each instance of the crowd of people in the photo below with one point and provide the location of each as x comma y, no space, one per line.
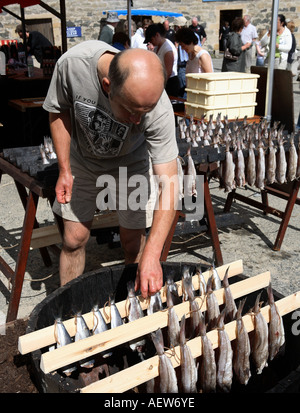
242,44
181,47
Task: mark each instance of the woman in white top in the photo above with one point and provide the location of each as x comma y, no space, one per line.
283,43
167,52
199,58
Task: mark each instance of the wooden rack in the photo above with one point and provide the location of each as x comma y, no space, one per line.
289,192
46,337
148,369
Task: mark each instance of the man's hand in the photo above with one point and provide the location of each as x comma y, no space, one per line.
149,277
149,274
60,126
63,187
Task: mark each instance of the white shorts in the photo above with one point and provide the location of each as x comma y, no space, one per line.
134,211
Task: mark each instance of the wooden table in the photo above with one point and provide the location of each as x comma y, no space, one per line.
24,104
30,190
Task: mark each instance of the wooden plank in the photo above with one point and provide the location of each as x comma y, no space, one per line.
45,241
142,372
45,236
45,337
62,356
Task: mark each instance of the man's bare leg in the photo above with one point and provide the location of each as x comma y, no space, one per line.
133,242
72,257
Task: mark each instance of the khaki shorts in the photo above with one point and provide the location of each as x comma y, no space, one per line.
135,211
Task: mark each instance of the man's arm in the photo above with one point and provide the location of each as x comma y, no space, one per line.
149,274
60,126
169,61
206,63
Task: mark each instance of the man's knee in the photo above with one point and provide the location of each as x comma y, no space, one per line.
76,235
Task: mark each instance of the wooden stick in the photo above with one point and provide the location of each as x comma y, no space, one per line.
142,372
90,346
45,336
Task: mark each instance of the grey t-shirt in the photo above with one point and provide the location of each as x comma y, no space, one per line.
98,139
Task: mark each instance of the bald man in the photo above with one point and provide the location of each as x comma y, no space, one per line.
111,121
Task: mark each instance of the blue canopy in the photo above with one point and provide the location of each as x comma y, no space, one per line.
143,12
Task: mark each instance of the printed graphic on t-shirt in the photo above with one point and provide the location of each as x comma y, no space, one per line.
103,135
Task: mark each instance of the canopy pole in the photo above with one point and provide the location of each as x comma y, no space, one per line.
63,23
271,62
129,19
22,13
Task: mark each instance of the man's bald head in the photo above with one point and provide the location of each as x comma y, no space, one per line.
136,67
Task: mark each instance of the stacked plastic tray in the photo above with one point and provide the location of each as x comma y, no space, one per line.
229,93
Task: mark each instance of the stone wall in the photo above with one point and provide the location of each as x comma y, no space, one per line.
87,13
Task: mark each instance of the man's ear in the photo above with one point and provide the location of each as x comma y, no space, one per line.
106,85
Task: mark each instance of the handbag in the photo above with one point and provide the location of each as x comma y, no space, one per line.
230,56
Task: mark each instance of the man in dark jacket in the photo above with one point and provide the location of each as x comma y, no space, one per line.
170,33
36,42
199,30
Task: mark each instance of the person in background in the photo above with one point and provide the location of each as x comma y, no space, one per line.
167,52
107,31
183,57
291,60
170,33
261,52
199,29
121,41
36,42
122,26
249,34
236,48
133,27
283,43
199,58
103,23
224,32
128,123
137,41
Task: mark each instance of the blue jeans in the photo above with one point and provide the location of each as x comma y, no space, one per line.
260,61
182,81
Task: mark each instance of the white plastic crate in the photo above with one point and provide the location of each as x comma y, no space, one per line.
215,82
222,98
233,112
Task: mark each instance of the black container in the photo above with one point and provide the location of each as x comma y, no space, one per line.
281,376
